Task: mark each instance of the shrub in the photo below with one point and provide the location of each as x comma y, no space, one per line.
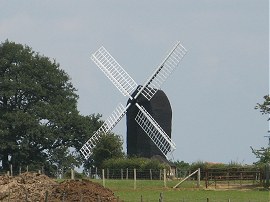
131,163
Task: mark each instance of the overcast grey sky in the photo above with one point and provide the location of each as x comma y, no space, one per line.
214,90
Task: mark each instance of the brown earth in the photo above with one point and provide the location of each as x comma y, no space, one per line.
84,190
37,187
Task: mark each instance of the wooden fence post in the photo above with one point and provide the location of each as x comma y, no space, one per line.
161,197
103,178
127,174
150,174
241,178
121,174
164,177
90,173
135,179
11,170
198,178
72,174
228,176
206,179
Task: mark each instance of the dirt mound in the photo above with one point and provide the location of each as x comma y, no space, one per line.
25,187
84,190
36,187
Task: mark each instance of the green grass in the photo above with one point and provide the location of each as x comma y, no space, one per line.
150,190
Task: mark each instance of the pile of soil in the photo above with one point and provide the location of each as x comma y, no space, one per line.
25,187
84,190
37,187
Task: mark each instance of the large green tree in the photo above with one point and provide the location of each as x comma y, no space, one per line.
38,109
39,121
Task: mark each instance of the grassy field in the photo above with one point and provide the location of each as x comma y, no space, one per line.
147,190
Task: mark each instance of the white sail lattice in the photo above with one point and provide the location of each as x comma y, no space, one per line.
164,70
154,131
107,126
118,76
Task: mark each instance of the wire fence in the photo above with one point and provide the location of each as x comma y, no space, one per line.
211,177
207,178
126,180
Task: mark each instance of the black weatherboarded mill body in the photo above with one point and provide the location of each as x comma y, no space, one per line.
138,142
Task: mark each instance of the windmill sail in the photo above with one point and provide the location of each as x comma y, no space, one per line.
107,126
126,85
154,131
118,76
152,85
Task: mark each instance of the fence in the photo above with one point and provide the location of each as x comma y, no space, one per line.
212,178
151,174
233,178
21,170
126,180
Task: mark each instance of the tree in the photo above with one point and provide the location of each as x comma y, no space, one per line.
38,109
39,121
109,146
181,165
262,154
62,164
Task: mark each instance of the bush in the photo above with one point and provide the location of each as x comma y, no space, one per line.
131,163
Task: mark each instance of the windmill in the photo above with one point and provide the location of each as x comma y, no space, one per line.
126,85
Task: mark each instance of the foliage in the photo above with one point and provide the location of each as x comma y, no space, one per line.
109,146
263,154
69,161
131,163
219,166
265,106
39,120
181,165
199,164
